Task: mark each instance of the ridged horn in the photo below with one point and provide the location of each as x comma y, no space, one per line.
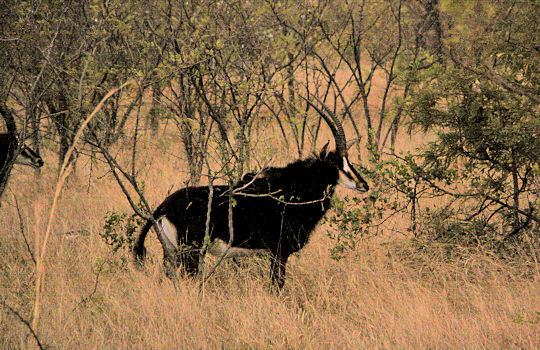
333,123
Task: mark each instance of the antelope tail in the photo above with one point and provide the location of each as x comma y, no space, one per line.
139,251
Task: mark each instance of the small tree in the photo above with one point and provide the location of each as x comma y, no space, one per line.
484,107
480,98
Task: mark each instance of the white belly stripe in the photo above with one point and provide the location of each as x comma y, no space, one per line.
216,248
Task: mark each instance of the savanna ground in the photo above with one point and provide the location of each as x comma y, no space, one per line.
387,293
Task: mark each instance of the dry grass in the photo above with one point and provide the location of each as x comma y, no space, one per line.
386,294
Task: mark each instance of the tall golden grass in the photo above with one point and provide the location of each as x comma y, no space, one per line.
387,294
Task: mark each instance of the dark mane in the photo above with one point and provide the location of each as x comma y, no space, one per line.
301,181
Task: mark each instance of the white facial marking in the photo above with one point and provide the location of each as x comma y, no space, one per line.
20,160
346,182
169,231
218,246
344,174
346,167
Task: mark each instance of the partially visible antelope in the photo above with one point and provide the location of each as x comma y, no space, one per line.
275,211
10,149
23,156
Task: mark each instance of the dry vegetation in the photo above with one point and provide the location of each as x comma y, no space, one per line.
391,292
386,294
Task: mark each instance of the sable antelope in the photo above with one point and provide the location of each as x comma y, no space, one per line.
26,156
275,211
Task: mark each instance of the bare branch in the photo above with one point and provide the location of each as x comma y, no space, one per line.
21,228
25,322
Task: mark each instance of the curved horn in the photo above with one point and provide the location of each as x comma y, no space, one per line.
333,123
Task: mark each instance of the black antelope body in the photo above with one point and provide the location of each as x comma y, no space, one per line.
275,212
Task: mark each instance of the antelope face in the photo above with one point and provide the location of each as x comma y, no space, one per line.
29,157
349,177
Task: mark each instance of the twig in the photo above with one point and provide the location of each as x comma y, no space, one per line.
170,254
25,322
21,228
64,172
517,229
207,225
229,244
462,195
94,290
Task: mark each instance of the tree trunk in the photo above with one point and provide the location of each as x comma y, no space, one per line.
515,184
65,124
153,115
35,120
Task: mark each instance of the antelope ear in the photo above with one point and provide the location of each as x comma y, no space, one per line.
324,151
247,177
